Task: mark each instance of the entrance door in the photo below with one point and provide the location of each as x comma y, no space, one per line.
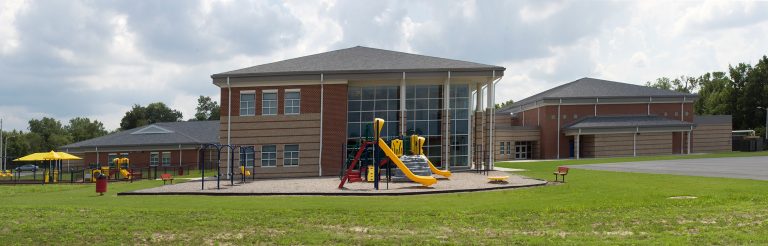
521,150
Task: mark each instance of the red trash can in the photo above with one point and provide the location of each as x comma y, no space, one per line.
101,184
181,171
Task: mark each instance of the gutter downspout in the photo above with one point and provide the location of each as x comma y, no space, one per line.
179,155
558,127
322,101
229,123
682,118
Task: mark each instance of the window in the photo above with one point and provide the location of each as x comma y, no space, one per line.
291,155
247,156
166,158
111,159
366,103
269,102
154,159
292,102
424,116
268,156
459,105
501,150
247,104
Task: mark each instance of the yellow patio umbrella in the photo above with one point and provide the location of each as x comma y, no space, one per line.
67,156
48,156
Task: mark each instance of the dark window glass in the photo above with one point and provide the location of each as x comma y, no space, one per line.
354,93
353,117
368,93
366,106
353,106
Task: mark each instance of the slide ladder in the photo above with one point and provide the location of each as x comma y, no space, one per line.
423,180
351,174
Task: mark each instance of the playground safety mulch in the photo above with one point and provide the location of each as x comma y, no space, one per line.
327,186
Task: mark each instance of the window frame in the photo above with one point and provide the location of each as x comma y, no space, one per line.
162,158
286,157
267,110
297,102
253,157
273,159
251,106
155,160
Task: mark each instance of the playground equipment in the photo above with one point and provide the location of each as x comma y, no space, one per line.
378,123
119,163
230,167
382,154
417,148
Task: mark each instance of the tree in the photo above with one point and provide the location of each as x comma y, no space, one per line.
18,145
714,94
83,128
682,84
47,134
504,104
207,109
152,113
661,83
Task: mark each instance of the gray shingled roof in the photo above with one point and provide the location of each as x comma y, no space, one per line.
358,60
187,132
642,121
598,88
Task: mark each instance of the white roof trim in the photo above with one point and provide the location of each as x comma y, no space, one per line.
152,129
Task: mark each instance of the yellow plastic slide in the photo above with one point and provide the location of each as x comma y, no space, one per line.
423,180
444,173
124,173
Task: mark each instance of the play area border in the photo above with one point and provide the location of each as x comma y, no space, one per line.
426,192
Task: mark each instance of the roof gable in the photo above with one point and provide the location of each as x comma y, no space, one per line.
152,129
358,59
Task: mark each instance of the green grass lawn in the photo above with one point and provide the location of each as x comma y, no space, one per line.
594,207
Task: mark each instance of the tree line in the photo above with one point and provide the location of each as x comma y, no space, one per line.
738,92
48,134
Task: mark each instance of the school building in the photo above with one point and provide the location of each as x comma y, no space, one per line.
599,118
299,113
165,144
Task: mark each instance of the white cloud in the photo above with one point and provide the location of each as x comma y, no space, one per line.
139,52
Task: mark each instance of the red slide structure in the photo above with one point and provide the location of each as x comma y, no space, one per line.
352,174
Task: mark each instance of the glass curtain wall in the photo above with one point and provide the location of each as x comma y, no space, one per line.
367,103
423,113
459,104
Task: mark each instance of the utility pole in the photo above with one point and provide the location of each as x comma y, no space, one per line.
2,160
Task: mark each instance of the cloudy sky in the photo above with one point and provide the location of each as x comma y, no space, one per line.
66,59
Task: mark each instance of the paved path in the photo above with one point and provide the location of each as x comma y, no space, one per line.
735,167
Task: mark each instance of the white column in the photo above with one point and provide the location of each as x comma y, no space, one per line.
322,97
479,98
489,113
576,146
689,141
179,155
229,124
